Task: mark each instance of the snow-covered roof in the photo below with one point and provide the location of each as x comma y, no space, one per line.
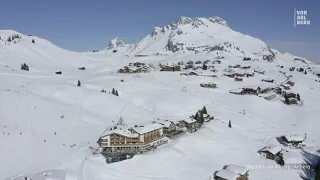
225,174
272,149
190,120
119,129
165,123
294,138
236,90
147,128
236,169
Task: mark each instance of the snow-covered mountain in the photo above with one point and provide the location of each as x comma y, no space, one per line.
199,35
47,123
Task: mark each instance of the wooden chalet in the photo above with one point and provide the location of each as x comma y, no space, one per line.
292,101
249,74
230,75
286,87
238,79
232,172
291,83
259,72
268,80
292,141
271,152
191,124
289,94
240,74
208,85
245,67
170,68
189,62
251,90
216,62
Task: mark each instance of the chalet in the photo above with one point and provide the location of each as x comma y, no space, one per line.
268,80
286,87
180,63
236,91
216,62
245,67
198,62
238,79
230,75
240,74
240,170
268,96
208,85
232,172
251,90
250,74
292,141
198,67
191,124
138,64
292,101
270,152
189,66
206,61
170,68
259,72
168,126
190,62
122,139
193,73
207,117
289,94
225,175
291,83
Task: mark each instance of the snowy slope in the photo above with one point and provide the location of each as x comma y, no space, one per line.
59,121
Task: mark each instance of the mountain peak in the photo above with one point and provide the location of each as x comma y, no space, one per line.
198,21
114,43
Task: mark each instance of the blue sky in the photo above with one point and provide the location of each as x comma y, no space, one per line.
83,25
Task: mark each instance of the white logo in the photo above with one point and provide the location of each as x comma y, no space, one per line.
300,17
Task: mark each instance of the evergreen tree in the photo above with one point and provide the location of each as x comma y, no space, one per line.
116,93
305,72
33,41
204,110
201,119
9,39
113,91
229,124
298,97
286,99
196,116
79,83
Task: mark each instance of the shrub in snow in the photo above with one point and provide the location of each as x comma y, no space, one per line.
25,67
58,72
82,68
33,41
79,83
114,51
